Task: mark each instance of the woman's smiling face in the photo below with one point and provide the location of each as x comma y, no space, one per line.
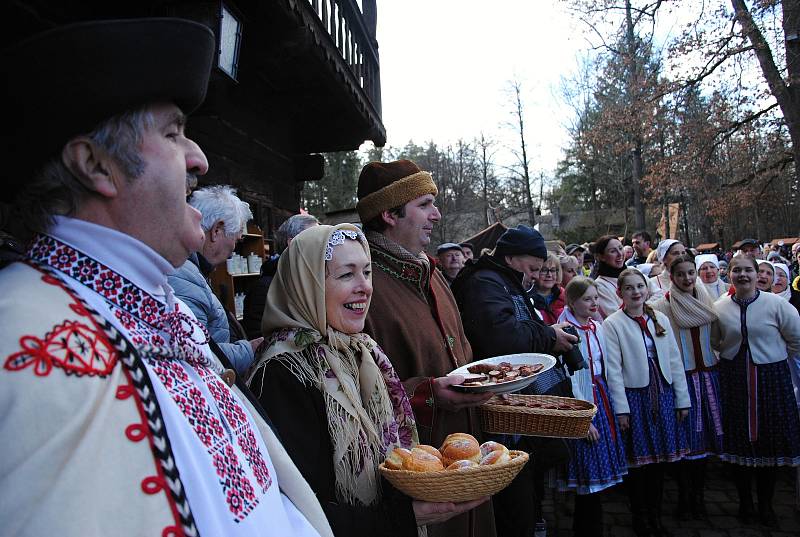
684,275
348,287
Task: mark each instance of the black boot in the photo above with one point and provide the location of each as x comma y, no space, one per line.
741,476
765,488
697,497
634,482
654,496
683,479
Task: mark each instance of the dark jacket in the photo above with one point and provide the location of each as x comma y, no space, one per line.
256,299
498,317
298,413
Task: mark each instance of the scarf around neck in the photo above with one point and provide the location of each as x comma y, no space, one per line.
691,310
609,271
367,409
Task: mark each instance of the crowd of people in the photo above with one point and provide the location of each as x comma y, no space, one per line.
138,406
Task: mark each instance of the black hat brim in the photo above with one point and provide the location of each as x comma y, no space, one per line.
64,82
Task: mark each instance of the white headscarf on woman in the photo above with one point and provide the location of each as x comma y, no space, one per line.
786,294
366,405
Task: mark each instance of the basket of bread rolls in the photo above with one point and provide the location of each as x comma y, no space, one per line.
459,471
537,415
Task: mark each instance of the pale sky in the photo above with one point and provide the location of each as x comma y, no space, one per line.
445,67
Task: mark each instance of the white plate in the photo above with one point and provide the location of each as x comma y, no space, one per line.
527,358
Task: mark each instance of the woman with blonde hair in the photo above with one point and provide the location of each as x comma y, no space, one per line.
648,387
598,461
548,296
333,395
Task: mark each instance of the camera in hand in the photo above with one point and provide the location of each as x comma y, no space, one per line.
573,358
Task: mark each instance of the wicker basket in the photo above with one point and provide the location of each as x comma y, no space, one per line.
457,485
506,419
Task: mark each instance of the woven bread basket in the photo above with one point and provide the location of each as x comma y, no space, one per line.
456,485
507,419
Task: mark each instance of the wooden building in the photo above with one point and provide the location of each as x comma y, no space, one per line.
294,78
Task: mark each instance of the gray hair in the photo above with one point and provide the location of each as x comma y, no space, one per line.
219,203
54,190
291,228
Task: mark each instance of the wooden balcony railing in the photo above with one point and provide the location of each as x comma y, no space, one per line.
344,23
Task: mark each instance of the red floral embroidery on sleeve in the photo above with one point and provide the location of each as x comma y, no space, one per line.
71,346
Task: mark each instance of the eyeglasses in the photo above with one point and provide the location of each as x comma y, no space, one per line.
548,271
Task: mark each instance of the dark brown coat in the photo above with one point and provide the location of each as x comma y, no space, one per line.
415,320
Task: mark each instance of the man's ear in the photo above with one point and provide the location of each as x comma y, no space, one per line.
389,218
91,166
217,231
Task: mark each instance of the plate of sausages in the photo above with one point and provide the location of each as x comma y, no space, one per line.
503,374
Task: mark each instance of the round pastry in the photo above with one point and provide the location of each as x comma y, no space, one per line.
430,449
394,460
422,461
496,457
460,446
491,445
458,465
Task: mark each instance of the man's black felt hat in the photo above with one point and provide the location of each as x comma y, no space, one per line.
64,82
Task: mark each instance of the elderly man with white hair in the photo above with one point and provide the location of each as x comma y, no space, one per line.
224,217
708,269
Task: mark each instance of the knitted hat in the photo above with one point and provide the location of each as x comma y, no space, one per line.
705,258
384,185
521,240
663,248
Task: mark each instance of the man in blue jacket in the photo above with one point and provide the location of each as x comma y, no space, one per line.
224,219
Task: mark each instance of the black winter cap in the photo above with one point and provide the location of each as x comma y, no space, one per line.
521,240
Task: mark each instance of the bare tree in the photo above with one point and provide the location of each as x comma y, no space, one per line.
521,169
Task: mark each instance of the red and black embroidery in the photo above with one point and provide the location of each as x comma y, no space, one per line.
140,313
72,346
152,425
239,492
212,429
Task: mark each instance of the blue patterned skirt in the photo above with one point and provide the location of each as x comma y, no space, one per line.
653,438
703,429
595,466
778,424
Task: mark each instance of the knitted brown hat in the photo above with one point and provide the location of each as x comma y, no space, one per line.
383,185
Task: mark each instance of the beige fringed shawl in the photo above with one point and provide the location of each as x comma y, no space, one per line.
367,408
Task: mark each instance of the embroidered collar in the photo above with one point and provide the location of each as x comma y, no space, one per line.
162,327
747,301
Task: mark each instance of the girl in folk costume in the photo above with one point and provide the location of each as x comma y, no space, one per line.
648,388
610,262
597,462
755,334
668,250
707,266
691,313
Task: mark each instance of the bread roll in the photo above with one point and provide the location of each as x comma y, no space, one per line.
496,457
460,446
394,460
422,461
430,449
458,465
491,445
